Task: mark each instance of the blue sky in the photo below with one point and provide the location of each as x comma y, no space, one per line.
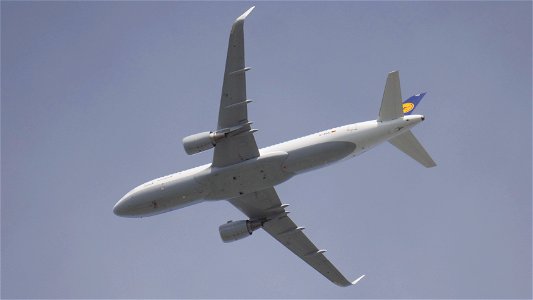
96,97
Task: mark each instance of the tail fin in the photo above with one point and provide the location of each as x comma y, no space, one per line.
392,108
410,104
391,103
409,145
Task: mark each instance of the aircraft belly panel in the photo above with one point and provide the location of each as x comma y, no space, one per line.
166,196
318,155
247,177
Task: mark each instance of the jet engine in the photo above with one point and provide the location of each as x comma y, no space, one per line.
236,230
202,141
199,142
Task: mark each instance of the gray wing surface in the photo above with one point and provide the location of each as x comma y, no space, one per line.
240,145
265,205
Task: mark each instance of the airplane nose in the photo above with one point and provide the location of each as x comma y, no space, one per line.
120,209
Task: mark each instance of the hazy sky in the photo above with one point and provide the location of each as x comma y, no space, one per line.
96,97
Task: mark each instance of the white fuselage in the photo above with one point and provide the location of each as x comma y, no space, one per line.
275,165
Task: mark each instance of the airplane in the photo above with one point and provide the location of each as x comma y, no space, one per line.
246,176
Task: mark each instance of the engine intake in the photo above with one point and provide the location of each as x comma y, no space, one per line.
236,230
199,142
202,141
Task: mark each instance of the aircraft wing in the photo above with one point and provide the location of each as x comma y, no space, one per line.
265,205
239,144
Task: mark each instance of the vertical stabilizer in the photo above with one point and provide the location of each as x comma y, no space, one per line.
410,104
391,103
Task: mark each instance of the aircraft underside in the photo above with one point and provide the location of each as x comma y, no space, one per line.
246,176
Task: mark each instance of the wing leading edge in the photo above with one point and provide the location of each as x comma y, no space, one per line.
233,111
240,145
265,205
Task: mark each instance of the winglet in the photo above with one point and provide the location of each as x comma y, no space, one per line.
244,15
239,22
345,283
357,280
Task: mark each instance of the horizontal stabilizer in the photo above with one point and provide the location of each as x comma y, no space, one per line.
409,145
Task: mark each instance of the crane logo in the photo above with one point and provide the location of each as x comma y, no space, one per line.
408,107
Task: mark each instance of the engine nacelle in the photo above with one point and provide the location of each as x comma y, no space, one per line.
236,230
199,142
